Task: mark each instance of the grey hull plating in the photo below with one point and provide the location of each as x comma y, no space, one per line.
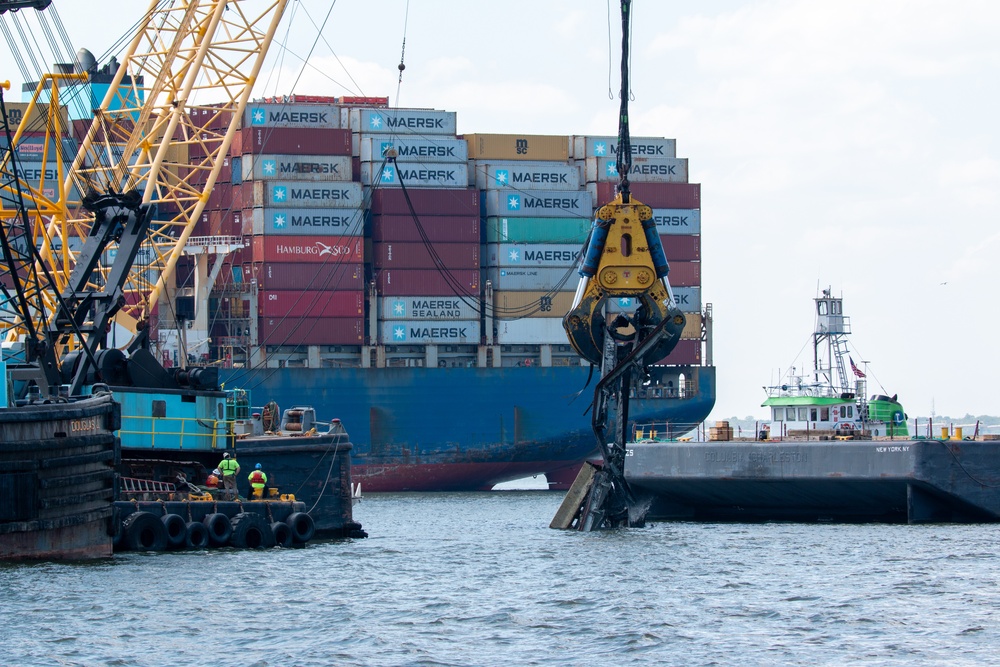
901,481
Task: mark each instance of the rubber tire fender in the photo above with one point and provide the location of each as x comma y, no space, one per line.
144,532
282,534
197,535
220,529
176,530
251,531
302,525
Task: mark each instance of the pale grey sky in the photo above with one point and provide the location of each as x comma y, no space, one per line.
847,144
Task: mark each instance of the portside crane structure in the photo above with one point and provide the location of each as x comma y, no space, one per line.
120,212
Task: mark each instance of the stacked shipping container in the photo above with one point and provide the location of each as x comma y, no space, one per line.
312,184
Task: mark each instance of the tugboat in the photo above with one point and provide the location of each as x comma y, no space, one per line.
827,454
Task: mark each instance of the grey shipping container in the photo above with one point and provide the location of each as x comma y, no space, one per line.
538,203
457,332
299,194
644,170
533,279
584,147
524,176
677,221
372,148
428,308
415,174
307,221
259,114
688,300
531,331
532,254
297,167
402,121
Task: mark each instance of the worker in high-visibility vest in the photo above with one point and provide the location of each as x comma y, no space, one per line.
258,481
230,469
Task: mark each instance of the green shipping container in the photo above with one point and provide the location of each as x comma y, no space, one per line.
537,230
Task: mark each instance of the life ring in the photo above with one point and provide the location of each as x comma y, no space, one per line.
176,529
269,416
846,426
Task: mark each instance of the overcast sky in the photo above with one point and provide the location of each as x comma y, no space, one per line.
848,144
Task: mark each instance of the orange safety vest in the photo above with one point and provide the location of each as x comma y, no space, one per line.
258,479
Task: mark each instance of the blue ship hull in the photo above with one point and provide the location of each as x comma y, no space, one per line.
444,429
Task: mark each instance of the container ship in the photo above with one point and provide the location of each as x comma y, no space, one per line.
373,263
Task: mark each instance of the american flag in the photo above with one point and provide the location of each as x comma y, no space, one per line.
855,369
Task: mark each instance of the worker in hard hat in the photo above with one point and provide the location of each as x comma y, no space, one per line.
258,483
230,469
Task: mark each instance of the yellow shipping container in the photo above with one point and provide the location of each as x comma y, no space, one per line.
518,147
692,328
531,304
38,119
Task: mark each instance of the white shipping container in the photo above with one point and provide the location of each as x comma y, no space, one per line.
688,301
531,331
296,167
677,221
402,121
456,332
372,148
291,115
532,254
428,308
524,176
644,170
584,147
307,221
533,279
333,194
415,174
539,203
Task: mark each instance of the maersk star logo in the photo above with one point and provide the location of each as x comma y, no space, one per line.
257,116
384,147
625,302
399,308
375,122
279,194
600,148
514,203
611,168
388,174
280,220
502,176
399,333
514,255
269,167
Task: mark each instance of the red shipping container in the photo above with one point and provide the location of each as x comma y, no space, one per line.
307,276
655,195
296,141
427,282
395,255
328,303
684,274
312,331
221,197
687,352
225,223
430,201
314,249
681,247
204,225
437,228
